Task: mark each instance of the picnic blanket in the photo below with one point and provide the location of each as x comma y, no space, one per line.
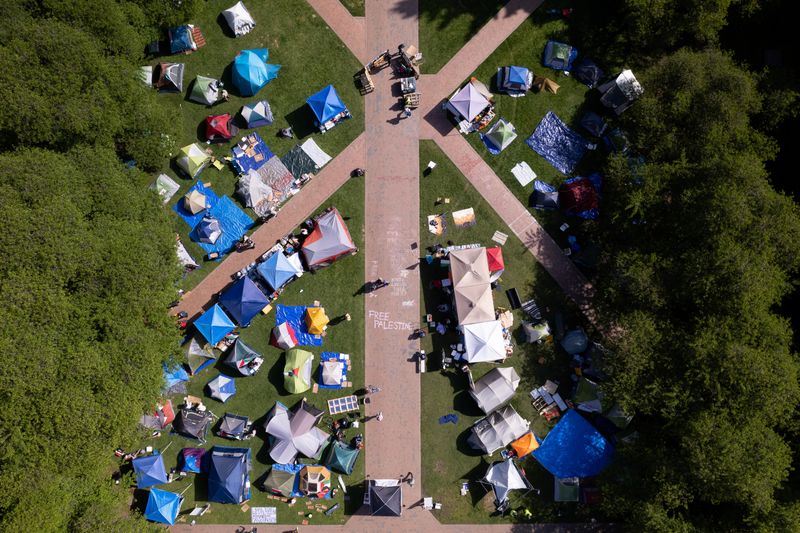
187,216
559,145
295,316
329,356
234,223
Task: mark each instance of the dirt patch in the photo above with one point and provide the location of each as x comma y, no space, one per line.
438,467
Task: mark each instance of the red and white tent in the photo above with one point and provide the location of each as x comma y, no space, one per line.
283,336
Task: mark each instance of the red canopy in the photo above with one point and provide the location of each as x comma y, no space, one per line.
220,127
495,258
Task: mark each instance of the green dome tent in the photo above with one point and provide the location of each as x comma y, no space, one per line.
297,370
341,457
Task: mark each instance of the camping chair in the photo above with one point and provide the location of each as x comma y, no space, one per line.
532,310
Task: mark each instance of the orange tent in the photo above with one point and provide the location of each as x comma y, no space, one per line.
525,444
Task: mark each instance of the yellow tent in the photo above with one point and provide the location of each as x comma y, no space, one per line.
525,444
545,84
316,320
194,202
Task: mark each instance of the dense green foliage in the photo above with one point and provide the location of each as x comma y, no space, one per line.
700,250
68,77
89,264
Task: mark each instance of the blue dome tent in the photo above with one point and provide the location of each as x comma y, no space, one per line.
326,104
243,300
251,71
162,506
277,270
214,324
149,470
574,448
228,475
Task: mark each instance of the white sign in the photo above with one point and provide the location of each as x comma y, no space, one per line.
264,515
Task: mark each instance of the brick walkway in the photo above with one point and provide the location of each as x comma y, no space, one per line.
292,214
348,28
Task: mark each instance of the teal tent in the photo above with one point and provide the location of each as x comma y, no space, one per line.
251,71
341,457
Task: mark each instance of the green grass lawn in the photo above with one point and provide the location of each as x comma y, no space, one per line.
446,25
525,48
334,287
355,7
446,458
311,57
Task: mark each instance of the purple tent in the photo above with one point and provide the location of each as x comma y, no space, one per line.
468,102
191,460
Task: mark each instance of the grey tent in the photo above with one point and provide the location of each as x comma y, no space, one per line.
192,423
469,269
255,194
198,356
385,497
504,477
332,372
280,482
497,430
243,358
329,241
233,426
294,432
495,388
239,19
168,77
620,93
544,199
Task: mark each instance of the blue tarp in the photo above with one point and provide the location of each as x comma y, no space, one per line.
187,216
234,223
228,473
559,145
326,104
180,39
242,162
251,71
276,270
243,301
295,316
574,448
327,356
149,470
175,375
162,506
192,460
295,469
214,324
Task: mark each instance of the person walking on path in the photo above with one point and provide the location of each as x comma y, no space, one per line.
380,416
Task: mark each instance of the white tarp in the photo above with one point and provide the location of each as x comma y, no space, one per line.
316,154
256,194
185,259
524,173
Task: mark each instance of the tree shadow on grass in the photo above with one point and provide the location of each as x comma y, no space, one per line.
276,376
139,500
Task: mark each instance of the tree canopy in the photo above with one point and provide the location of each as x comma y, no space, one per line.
89,262
700,251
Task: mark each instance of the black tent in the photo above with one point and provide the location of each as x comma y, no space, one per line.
544,200
192,424
587,72
234,426
593,123
385,497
